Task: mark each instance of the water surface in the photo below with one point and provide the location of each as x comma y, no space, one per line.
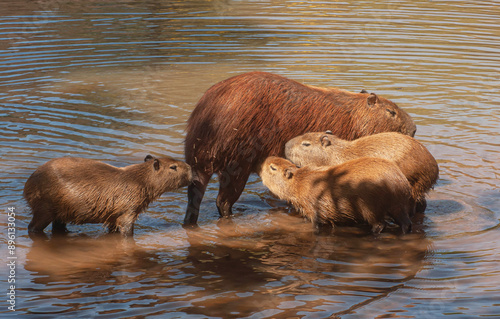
117,80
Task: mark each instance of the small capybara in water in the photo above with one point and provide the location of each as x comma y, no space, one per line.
241,121
413,159
78,190
364,190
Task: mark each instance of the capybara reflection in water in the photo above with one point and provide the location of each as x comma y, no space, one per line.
413,159
364,190
241,121
79,190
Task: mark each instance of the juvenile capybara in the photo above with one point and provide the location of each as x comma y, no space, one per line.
242,120
413,159
363,190
78,190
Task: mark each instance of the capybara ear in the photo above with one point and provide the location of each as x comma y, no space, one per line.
329,132
156,164
148,158
325,141
363,91
288,173
372,99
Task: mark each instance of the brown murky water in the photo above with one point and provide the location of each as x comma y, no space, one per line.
116,80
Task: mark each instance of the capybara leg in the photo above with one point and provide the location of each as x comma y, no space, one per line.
58,227
127,230
229,192
323,229
378,227
125,224
39,222
404,222
113,229
421,206
196,190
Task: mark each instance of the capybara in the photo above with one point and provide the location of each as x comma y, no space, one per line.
414,160
78,190
363,190
242,120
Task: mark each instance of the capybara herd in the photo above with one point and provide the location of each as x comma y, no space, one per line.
351,158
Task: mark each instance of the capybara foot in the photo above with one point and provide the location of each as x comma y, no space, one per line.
421,206
59,227
378,228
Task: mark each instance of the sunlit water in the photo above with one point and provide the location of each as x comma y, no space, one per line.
117,80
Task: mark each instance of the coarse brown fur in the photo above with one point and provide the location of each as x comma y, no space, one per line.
242,120
364,190
413,159
78,190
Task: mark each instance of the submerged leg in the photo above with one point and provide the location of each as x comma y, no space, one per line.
377,228
230,188
42,217
404,222
59,227
125,224
196,190
421,206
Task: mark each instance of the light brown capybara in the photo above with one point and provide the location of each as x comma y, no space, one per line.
78,190
242,120
413,159
363,190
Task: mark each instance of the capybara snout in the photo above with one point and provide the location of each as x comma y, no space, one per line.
78,190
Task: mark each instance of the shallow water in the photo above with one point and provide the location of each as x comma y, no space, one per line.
117,80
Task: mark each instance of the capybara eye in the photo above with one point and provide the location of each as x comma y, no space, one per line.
272,167
306,143
393,113
173,166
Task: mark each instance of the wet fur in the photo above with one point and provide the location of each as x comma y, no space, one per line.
365,190
78,191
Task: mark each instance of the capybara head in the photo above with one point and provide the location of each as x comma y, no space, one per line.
165,173
277,174
384,113
311,148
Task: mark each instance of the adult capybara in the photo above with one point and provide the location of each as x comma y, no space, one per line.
78,190
413,159
363,190
242,120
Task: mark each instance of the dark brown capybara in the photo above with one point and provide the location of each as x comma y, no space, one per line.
363,190
78,190
242,120
413,159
